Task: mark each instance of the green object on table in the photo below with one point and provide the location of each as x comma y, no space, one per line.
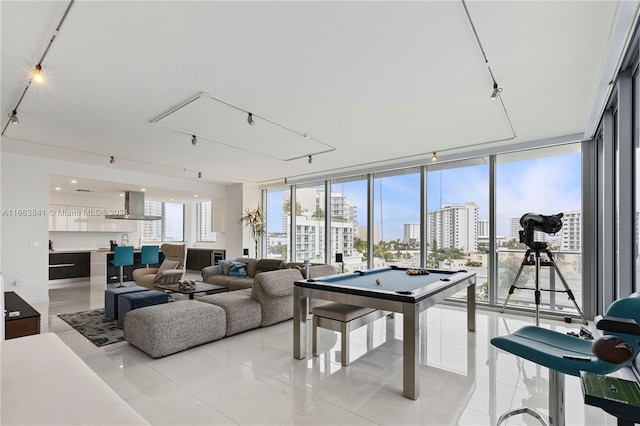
614,395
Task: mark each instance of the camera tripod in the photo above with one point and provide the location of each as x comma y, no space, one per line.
529,260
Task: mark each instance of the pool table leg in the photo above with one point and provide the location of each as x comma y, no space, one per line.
410,329
299,325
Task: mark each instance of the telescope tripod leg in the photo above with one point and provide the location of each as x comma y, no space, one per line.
566,287
515,281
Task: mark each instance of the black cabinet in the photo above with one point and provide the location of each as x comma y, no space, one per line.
69,265
20,319
113,272
201,258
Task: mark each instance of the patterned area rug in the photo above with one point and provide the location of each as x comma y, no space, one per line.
93,325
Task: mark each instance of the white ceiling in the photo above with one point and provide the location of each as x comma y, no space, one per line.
382,82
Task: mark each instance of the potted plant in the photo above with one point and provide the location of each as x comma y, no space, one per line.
254,219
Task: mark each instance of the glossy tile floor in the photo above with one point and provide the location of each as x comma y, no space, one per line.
252,378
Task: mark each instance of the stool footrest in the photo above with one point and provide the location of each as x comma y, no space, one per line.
523,410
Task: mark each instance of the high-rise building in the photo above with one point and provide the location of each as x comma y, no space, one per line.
571,228
411,233
310,224
454,226
483,229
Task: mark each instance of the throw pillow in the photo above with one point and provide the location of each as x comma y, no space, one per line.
237,269
221,264
168,264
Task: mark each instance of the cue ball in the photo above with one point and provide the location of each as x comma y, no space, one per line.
378,281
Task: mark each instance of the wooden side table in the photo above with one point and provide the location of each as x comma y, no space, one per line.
24,324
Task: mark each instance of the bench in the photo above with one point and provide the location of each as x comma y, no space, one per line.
343,318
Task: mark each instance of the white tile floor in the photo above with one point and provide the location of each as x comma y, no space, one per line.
252,378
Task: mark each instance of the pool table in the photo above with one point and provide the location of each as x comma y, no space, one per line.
390,289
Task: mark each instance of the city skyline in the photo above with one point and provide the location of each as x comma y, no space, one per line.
544,185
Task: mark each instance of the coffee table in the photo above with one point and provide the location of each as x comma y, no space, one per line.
201,287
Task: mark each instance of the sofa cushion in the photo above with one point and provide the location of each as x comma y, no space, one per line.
317,271
251,265
242,312
168,264
274,291
265,265
221,267
222,280
240,283
276,283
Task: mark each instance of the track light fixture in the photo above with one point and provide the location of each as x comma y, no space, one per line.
194,140
496,91
310,159
38,76
199,175
14,117
434,157
112,161
250,119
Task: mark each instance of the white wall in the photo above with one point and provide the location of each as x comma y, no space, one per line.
25,184
239,198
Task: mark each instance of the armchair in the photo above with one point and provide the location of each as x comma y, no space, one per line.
170,271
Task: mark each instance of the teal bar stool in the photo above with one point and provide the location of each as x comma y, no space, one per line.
122,256
566,354
150,255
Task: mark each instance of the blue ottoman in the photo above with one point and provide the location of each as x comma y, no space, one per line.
139,299
111,299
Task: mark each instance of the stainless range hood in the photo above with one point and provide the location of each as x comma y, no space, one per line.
134,207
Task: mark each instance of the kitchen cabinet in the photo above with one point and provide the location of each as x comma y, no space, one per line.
66,265
86,219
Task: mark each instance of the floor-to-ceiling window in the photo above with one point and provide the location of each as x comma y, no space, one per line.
277,216
396,215
204,222
170,228
539,183
310,223
458,219
349,224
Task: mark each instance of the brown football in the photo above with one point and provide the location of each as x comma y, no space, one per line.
612,349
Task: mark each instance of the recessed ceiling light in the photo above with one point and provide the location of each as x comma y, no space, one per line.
122,194
58,188
74,181
170,199
195,195
142,189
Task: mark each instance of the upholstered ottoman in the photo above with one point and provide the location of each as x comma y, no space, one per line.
173,327
111,299
140,299
242,312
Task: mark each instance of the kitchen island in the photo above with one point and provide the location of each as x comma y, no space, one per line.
102,269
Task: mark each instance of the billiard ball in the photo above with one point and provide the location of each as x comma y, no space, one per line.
378,281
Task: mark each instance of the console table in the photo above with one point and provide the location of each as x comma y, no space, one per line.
24,324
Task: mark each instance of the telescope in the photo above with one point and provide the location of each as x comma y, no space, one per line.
532,222
538,222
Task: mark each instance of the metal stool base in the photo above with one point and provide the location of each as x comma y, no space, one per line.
523,410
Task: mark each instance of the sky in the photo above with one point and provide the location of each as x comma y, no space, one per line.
545,185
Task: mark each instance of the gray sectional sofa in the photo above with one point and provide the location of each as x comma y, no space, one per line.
267,302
